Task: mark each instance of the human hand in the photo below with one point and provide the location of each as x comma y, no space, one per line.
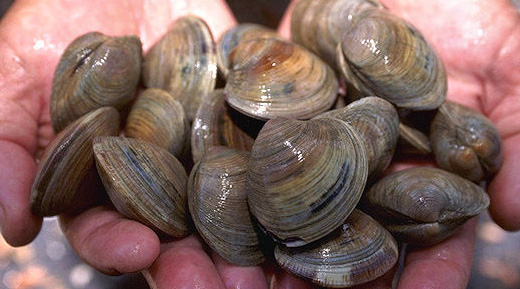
479,42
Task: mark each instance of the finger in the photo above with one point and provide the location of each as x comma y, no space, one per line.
284,28
239,276
109,242
17,168
446,265
283,280
183,264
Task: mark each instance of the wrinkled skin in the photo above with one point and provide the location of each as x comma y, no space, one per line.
479,41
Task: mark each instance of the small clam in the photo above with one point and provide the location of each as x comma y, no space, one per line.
67,159
239,33
183,62
218,205
422,205
218,124
465,142
94,71
305,177
385,56
377,123
158,118
271,78
359,251
144,182
319,24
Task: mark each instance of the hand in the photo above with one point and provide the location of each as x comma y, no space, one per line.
479,42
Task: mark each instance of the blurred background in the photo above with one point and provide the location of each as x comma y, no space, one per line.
49,262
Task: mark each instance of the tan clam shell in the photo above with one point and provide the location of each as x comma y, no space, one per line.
158,118
239,33
465,142
183,62
319,25
217,124
383,55
377,123
271,78
94,71
423,205
305,177
359,251
144,182
67,159
217,198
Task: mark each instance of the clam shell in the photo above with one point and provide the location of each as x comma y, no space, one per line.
385,56
239,33
94,71
318,25
359,251
305,177
218,124
271,78
422,205
217,198
377,123
183,62
67,159
158,118
144,182
465,142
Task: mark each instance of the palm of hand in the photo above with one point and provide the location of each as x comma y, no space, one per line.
480,68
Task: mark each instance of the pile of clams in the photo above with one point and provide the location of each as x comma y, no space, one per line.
268,165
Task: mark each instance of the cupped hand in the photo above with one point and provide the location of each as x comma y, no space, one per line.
479,43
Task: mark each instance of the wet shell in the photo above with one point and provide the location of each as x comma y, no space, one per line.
305,177
271,78
319,24
377,123
144,182
423,206
183,62
218,124
359,251
217,200
239,33
465,142
385,56
67,159
94,71
158,118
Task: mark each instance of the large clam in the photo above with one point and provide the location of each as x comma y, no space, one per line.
465,142
270,78
423,205
359,251
183,62
217,198
95,70
305,177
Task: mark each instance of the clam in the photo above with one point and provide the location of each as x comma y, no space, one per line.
422,205
183,62
66,161
385,56
465,142
241,32
305,177
144,182
218,124
217,198
377,123
271,78
359,251
158,118
95,70
319,24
